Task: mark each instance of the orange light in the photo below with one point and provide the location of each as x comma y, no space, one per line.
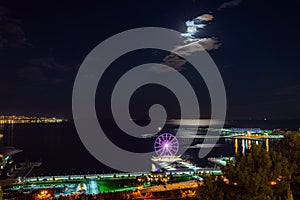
273,183
226,180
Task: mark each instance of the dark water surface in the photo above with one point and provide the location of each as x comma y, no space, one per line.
57,146
60,150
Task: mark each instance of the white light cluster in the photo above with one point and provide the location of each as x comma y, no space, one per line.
194,25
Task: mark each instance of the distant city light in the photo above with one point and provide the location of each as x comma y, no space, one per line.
12,119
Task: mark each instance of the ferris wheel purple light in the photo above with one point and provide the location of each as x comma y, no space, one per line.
166,145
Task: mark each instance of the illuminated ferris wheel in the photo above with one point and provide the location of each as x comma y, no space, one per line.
166,145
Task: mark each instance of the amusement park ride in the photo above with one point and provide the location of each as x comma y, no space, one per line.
166,147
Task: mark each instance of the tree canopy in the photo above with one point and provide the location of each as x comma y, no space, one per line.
256,175
289,147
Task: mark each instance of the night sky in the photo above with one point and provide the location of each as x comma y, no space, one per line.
43,43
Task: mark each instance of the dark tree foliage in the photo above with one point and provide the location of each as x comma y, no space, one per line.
257,175
289,147
211,190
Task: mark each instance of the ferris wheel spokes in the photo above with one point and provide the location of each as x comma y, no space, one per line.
166,145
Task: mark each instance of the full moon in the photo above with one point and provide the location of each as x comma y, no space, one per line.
191,29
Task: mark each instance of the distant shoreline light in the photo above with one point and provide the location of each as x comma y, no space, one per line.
13,119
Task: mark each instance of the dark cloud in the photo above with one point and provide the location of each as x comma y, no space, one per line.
173,61
192,43
177,63
198,45
205,17
11,31
169,62
49,63
210,43
46,70
229,4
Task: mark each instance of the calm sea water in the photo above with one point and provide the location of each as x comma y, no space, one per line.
57,146
60,150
